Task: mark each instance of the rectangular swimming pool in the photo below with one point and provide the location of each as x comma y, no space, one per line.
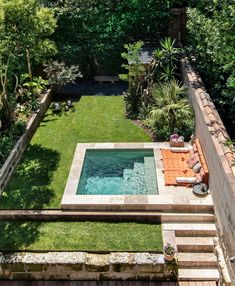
118,172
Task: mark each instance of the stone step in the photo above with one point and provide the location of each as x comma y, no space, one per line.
197,259
127,173
188,217
194,244
192,229
139,167
133,174
206,274
150,176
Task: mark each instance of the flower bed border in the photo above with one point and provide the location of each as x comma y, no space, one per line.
14,157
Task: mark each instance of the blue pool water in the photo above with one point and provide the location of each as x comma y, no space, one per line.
118,172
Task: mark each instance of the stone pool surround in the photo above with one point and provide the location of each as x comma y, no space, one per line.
71,200
165,199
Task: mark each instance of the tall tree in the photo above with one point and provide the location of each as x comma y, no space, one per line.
24,30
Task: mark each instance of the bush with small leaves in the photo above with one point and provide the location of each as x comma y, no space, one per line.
59,74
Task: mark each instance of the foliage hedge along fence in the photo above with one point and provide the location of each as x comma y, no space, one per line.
93,33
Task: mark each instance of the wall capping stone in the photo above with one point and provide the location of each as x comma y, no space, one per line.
85,266
213,119
14,157
212,134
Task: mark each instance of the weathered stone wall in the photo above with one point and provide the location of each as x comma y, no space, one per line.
84,266
15,155
212,134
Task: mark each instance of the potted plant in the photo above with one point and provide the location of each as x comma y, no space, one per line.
169,252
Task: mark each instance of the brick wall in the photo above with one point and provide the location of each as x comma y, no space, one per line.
210,129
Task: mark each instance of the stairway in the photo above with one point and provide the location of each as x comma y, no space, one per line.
194,242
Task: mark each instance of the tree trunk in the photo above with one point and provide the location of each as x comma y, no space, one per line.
29,69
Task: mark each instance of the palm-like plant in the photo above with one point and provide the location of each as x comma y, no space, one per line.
164,61
171,108
168,73
167,53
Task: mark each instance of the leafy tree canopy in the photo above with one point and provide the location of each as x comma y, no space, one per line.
26,25
92,33
211,27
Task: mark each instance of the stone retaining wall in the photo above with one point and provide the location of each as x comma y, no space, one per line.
85,266
15,155
212,135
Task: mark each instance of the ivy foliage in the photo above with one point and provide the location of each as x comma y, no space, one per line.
211,44
92,33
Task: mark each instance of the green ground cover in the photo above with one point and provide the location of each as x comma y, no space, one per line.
41,176
87,236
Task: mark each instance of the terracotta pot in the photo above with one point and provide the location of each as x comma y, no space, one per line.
169,257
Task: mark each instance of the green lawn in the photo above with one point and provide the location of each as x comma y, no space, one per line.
41,176
87,236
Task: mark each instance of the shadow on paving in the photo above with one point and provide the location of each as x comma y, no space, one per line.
28,187
17,235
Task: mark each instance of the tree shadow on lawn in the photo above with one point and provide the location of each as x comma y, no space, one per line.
18,235
28,187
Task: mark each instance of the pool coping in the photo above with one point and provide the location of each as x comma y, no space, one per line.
164,200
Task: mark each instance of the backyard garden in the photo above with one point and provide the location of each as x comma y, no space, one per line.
49,44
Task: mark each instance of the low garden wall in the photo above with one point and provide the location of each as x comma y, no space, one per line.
15,155
212,135
85,266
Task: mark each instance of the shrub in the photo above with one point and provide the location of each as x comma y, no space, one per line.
211,44
6,145
170,110
59,74
135,77
18,128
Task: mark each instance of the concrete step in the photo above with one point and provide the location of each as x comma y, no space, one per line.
127,174
191,229
153,216
194,244
138,167
190,260
150,176
206,274
188,217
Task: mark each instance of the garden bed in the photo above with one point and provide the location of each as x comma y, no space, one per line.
33,122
